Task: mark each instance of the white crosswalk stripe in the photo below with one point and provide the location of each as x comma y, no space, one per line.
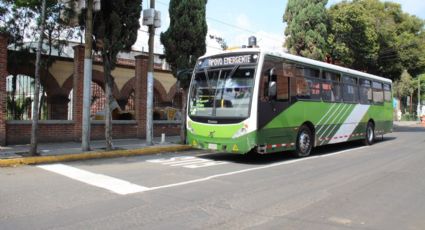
115,185
187,162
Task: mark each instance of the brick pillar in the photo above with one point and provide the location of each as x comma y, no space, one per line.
3,75
141,94
77,97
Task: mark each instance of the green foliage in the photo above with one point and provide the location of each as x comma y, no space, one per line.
405,86
377,37
115,27
353,39
17,107
19,15
184,40
306,31
421,78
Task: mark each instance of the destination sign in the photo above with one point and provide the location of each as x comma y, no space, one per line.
229,60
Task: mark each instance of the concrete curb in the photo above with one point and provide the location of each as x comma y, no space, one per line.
90,155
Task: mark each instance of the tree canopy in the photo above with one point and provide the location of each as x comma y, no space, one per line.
367,35
306,30
377,37
115,30
184,40
115,27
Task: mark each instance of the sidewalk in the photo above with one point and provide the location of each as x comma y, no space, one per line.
407,123
71,151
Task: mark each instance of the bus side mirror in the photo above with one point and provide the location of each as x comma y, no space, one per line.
272,89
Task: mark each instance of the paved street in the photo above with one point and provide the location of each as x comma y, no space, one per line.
347,186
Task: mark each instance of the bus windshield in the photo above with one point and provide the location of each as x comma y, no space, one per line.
222,93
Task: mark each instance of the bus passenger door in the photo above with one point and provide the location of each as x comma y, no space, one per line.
271,105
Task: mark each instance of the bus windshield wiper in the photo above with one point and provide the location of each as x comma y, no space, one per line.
233,71
208,80
224,82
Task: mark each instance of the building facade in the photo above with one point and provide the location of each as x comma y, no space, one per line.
62,98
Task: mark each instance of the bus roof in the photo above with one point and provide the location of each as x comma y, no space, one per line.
307,61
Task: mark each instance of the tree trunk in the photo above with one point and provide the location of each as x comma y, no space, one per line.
183,118
108,103
35,114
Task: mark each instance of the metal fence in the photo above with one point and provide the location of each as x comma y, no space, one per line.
20,98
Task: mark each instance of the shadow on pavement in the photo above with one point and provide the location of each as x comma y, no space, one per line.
409,129
257,159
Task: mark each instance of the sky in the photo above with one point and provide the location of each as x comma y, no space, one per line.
236,20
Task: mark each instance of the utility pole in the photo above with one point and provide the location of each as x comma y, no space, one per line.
149,104
419,110
152,19
88,64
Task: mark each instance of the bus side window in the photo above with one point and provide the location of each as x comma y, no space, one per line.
264,87
308,83
365,91
282,88
378,92
274,73
331,88
350,91
282,83
387,93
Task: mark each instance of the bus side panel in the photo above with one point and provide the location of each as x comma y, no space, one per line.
280,132
332,122
382,115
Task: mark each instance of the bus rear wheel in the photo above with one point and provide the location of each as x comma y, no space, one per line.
304,142
370,134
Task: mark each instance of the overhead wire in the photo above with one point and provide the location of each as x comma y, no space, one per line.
230,25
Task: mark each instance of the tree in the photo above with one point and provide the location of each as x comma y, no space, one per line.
115,30
35,112
306,30
405,87
16,16
184,42
377,37
421,78
353,39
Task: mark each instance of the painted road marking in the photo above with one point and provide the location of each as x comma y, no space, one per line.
123,187
187,162
251,169
102,181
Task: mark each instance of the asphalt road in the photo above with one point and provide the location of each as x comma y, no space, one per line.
346,186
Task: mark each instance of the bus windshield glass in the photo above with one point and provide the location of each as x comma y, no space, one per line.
222,93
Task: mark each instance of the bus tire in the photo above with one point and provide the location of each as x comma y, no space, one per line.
304,142
370,134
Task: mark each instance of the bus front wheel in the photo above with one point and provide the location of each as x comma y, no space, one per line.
304,142
370,134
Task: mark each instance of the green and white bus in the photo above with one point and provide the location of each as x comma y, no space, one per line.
247,100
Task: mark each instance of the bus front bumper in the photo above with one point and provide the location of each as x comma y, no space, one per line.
239,145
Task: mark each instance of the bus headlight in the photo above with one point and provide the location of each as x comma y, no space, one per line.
189,127
242,131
